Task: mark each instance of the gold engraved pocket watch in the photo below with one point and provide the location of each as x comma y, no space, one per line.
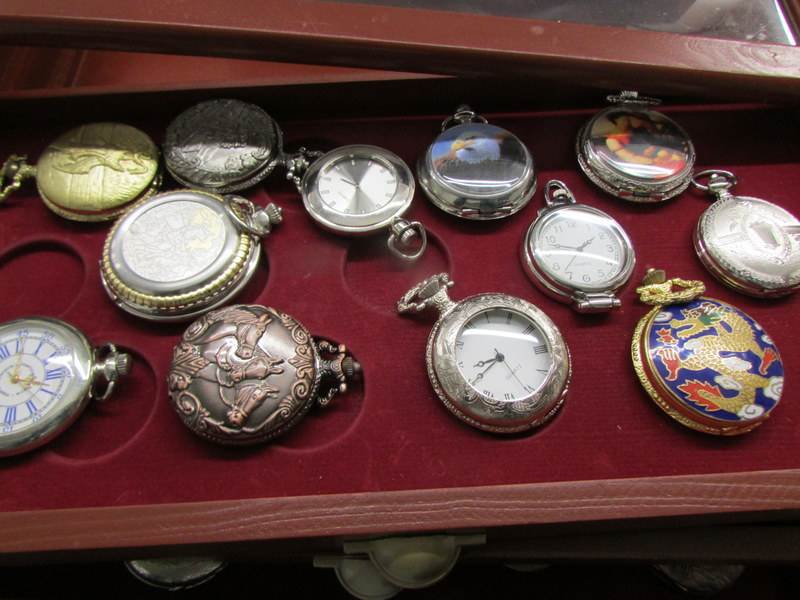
749,244
576,253
634,152
91,173
475,170
181,253
495,361
244,374
49,372
359,190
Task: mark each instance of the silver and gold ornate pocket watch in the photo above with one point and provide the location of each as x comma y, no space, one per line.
475,170
181,253
749,244
495,361
634,152
576,253
49,372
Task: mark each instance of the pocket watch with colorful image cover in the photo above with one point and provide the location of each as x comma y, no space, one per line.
475,170
577,253
634,152
707,364
49,372
749,244
495,361
91,173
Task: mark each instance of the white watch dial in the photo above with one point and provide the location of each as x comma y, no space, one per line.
357,185
580,249
503,354
37,373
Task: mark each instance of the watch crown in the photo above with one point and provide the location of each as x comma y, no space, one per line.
275,213
351,368
122,363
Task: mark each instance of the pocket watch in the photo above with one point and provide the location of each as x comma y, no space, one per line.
91,173
244,374
180,253
475,170
577,253
48,374
495,361
707,364
749,244
634,152
358,190
222,145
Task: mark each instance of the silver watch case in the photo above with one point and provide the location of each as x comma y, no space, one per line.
181,253
743,241
600,169
351,224
93,373
583,298
473,407
222,145
496,178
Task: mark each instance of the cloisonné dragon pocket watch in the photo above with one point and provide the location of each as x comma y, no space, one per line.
244,374
475,170
180,253
634,152
749,244
707,364
222,146
495,361
577,253
359,190
48,374
91,173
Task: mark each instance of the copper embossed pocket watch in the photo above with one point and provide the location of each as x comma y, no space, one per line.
358,190
495,361
749,244
475,170
181,253
577,253
49,372
244,374
634,152
707,364
91,173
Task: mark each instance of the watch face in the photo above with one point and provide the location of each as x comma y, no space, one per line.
503,354
43,369
580,248
752,240
642,144
357,185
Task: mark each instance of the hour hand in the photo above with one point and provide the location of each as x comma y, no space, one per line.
483,363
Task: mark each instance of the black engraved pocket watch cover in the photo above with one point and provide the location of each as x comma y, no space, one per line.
495,361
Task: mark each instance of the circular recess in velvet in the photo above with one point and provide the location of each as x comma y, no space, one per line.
104,427
39,278
377,280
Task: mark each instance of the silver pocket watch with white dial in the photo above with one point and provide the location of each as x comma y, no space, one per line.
49,372
577,253
358,190
749,244
495,361
475,170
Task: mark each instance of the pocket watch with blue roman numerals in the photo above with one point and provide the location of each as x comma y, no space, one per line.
48,374
495,361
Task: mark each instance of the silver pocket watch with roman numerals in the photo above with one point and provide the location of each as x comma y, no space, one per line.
495,361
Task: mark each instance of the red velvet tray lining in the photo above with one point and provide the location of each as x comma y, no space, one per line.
390,432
